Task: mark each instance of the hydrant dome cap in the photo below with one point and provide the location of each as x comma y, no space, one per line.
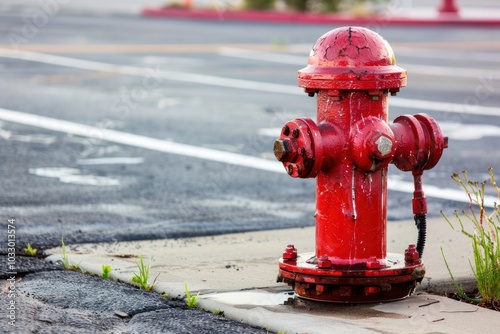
352,58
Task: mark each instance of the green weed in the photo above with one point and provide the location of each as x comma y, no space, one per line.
64,254
143,277
218,312
484,237
105,271
190,300
29,250
65,258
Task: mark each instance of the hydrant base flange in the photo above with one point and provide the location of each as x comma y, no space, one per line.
351,284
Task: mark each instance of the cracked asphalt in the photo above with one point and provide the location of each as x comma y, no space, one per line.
49,299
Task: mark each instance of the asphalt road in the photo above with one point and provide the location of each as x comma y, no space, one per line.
161,82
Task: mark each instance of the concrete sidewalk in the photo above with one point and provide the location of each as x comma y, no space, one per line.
236,274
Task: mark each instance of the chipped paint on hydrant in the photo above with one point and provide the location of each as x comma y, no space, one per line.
352,71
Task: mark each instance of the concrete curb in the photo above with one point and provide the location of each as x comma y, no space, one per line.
235,273
311,18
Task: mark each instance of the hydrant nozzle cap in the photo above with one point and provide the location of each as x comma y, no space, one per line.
352,58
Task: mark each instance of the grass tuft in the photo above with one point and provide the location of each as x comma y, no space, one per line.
29,251
191,300
65,258
105,271
142,278
64,254
218,312
484,238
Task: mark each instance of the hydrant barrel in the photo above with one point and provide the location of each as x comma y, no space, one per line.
352,71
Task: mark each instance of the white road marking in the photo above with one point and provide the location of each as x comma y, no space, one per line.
54,172
232,83
445,107
111,161
194,151
453,72
73,176
35,138
437,192
145,72
139,141
458,131
270,132
4,134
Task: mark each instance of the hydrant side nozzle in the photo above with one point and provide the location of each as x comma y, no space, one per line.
437,142
300,148
420,142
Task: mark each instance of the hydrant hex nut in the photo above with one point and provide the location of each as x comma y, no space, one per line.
324,262
373,263
279,150
285,150
411,253
384,146
290,253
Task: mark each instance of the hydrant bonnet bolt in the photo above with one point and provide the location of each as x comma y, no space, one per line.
290,253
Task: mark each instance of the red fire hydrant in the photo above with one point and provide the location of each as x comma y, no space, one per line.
352,70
